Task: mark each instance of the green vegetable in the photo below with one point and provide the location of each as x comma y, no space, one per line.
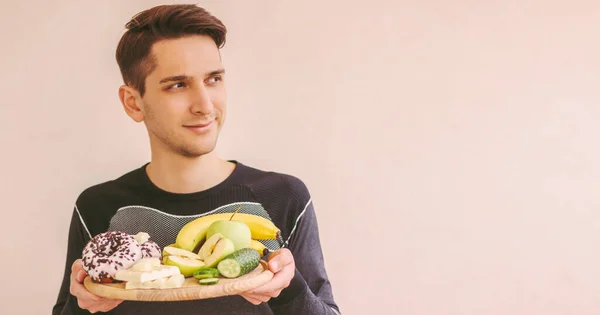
206,273
208,281
239,263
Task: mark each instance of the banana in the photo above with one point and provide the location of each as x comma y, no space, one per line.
259,247
194,232
260,228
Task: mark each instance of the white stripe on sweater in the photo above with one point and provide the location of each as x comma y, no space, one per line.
188,216
296,224
82,222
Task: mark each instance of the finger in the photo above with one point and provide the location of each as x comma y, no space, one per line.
82,294
114,303
279,259
109,304
77,269
104,305
280,280
83,305
266,297
80,276
251,299
260,297
76,264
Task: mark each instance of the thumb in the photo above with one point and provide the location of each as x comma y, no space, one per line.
280,259
80,275
76,264
274,266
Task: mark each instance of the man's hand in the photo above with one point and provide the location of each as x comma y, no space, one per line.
85,299
281,263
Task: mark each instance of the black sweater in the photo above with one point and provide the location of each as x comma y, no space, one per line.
132,203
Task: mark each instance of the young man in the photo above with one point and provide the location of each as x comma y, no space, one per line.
174,84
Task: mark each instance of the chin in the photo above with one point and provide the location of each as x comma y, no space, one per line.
190,147
196,150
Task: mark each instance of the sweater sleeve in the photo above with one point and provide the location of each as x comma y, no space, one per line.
66,304
310,290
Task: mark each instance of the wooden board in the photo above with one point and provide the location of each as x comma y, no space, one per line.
191,289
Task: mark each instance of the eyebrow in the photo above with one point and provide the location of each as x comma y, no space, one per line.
183,77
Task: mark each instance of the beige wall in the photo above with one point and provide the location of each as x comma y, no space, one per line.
450,146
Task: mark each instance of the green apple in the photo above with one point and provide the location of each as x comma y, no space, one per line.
222,249
236,231
209,246
186,265
174,251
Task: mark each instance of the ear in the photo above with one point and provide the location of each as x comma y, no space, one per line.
129,98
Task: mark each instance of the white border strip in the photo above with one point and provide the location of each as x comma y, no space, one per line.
333,309
81,219
190,216
296,224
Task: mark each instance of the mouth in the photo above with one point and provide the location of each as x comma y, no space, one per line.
200,127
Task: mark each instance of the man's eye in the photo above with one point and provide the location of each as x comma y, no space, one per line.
215,79
177,85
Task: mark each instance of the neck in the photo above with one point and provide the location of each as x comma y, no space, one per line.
178,174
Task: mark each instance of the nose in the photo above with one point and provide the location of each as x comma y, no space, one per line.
201,103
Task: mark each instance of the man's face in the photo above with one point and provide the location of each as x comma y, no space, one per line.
185,99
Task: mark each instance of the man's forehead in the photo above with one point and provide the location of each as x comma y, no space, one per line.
194,55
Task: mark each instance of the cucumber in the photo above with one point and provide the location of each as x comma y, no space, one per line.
206,273
239,263
208,281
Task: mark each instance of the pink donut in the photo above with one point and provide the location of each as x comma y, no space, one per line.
109,252
150,249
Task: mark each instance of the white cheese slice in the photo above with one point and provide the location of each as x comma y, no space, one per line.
158,272
175,281
145,264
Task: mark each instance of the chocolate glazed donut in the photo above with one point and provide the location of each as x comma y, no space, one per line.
109,252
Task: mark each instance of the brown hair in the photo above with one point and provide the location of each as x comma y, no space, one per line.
159,23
